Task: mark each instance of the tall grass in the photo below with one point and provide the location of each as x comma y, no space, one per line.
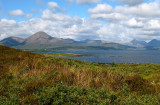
29,78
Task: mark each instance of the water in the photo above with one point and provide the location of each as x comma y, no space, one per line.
120,56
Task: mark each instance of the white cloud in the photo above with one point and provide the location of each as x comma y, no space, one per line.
4,26
112,17
18,12
121,23
133,23
2,36
54,24
7,22
151,28
143,10
87,1
101,8
124,23
131,2
53,5
154,24
105,11
114,32
48,14
72,27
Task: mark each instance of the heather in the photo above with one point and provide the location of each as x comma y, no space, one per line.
37,79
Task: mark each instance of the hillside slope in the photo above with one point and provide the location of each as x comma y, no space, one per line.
39,38
12,41
43,41
29,78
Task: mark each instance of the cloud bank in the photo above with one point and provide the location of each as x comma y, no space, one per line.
134,20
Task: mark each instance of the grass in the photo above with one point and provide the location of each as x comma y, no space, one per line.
31,78
62,54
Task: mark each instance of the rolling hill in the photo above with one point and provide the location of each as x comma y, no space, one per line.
153,45
42,40
12,41
138,43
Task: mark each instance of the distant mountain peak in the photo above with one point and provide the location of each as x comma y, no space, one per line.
11,41
16,38
138,43
40,34
154,43
39,38
154,40
43,40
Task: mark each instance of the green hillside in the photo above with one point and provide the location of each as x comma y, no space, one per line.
29,78
61,46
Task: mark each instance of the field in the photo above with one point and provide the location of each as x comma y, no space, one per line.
31,78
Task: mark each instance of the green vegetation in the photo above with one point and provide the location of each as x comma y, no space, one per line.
81,46
62,54
30,78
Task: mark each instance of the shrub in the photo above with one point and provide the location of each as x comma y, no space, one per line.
139,85
113,64
125,90
10,76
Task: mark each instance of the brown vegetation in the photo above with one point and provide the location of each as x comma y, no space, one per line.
30,72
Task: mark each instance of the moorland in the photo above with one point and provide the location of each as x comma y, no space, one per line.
33,78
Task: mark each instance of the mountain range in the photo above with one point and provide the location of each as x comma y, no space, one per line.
12,41
42,40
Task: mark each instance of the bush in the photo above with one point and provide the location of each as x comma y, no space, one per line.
139,85
113,64
125,90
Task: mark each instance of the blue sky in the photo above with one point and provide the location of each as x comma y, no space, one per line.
110,20
27,6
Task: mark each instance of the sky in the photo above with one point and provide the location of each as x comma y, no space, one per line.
109,20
